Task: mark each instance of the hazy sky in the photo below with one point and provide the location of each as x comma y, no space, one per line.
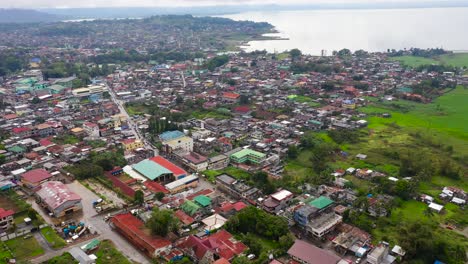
173,3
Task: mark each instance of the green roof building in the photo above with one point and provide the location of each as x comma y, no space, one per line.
203,201
152,170
321,203
248,155
17,149
190,207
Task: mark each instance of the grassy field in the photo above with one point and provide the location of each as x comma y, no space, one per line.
201,114
108,254
233,171
65,258
456,60
445,118
21,248
305,99
52,238
414,61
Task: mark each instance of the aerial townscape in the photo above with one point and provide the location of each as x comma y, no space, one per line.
161,140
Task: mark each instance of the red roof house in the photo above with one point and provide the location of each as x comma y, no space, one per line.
34,178
218,245
304,252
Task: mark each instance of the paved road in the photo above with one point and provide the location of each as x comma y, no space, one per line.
131,124
95,223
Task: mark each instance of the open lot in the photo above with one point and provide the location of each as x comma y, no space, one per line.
21,247
54,240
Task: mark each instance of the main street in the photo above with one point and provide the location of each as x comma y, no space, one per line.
131,125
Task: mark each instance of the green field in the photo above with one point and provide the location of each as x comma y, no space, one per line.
455,60
108,254
233,171
21,248
52,238
414,61
445,119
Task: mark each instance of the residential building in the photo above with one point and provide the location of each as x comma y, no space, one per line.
6,218
219,245
277,201
34,178
132,144
91,129
236,189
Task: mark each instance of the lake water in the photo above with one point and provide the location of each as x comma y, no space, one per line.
312,31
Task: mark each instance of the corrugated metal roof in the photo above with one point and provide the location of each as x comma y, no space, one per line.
150,169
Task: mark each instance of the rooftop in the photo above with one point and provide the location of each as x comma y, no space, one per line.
177,171
35,176
281,195
55,193
311,254
247,152
321,202
150,169
170,135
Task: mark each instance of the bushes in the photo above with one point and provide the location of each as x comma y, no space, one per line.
256,221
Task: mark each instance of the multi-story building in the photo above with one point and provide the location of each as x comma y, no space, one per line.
6,218
132,144
248,155
235,188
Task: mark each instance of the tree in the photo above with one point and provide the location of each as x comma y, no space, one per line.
159,196
344,53
139,197
32,214
162,222
35,100
179,100
293,152
295,53
244,99
260,177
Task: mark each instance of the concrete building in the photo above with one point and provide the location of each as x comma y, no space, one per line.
91,129
55,197
218,162
182,184
248,155
277,201
179,144
236,189
6,218
132,144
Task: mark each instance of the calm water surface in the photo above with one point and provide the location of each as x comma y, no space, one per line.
373,30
